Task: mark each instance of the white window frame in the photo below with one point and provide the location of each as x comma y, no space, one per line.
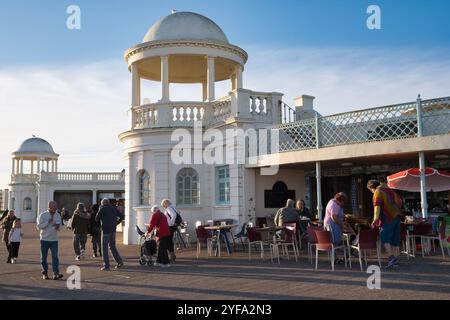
144,193
185,196
222,176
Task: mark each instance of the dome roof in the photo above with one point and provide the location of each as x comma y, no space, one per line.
185,26
35,145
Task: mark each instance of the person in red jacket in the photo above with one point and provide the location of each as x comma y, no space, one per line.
159,222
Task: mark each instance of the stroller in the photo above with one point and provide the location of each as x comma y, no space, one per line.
147,247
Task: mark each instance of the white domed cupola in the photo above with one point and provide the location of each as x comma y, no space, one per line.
34,156
185,47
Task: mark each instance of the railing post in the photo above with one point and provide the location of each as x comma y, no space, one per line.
316,117
419,116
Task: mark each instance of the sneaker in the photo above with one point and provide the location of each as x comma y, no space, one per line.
392,262
105,269
77,258
13,260
57,276
165,265
156,264
45,277
8,261
119,265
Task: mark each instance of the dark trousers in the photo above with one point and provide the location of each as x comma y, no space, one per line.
171,244
8,248
163,247
13,250
97,242
53,246
79,243
109,240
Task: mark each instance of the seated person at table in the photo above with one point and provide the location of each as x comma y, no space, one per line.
302,210
287,214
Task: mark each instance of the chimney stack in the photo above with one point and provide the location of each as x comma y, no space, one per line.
304,107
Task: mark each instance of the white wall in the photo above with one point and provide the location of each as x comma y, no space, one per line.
294,179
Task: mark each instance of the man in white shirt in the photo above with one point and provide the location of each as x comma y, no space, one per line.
48,223
171,214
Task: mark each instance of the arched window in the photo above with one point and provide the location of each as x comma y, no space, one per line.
144,188
188,187
27,204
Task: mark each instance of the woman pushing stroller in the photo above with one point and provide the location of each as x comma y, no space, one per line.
159,222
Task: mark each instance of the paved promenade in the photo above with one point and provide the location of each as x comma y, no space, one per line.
227,277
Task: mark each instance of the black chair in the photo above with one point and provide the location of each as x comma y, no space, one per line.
242,234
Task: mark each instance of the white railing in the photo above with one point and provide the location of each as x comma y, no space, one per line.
382,123
263,107
24,178
83,177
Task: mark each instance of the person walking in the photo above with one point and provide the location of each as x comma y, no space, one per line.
109,218
159,222
95,232
48,223
80,226
171,213
334,219
7,225
386,215
15,236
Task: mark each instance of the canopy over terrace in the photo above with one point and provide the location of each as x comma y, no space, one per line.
185,47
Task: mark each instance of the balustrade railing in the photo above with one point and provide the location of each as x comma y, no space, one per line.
83,177
375,124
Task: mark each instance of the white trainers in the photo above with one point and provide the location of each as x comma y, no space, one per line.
156,264
13,260
77,258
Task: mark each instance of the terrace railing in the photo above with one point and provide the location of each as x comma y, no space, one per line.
419,118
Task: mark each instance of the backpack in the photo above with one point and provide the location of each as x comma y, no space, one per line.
178,219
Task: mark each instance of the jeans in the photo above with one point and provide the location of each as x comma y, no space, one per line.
14,250
53,246
163,246
79,243
109,240
97,242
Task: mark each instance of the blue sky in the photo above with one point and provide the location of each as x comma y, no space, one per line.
34,31
60,84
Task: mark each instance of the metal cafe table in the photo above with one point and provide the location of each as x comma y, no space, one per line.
221,232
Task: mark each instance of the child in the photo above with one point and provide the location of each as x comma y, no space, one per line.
14,240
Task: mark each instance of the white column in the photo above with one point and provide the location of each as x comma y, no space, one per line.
32,166
48,166
56,165
38,166
319,190
423,190
13,170
135,86
204,91
165,79
239,82
233,81
94,197
53,165
21,166
211,79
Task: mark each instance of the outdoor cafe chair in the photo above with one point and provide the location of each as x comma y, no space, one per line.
324,244
367,241
254,238
289,240
242,234
408,243
204,237
425,231
312,239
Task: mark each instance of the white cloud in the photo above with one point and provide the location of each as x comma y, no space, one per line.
81,110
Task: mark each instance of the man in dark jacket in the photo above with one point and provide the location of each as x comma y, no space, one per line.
109,218
7,226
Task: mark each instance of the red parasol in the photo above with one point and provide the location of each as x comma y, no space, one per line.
409,180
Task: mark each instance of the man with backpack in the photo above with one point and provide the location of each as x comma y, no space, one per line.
174,220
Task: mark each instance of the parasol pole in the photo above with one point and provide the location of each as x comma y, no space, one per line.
423,190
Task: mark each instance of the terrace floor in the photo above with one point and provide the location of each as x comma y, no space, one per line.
228,277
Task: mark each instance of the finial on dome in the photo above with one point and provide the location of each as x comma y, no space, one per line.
33,136
174,11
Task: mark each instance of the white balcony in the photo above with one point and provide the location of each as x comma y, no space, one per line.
260,107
